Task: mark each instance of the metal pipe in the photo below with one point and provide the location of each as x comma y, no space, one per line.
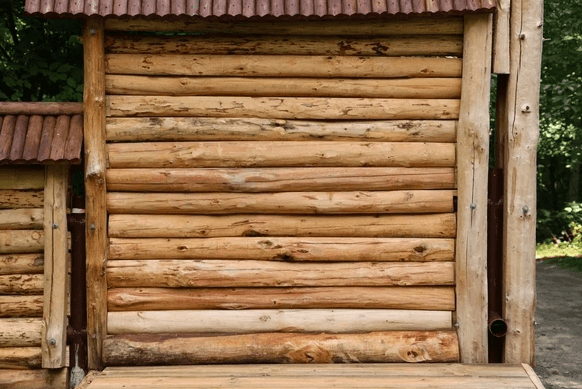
497,325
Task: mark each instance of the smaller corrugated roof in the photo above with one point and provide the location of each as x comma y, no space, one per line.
40,133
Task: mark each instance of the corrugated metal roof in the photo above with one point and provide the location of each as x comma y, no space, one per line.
40,133
249,8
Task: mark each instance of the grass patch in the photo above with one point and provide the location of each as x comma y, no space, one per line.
570,263
565,255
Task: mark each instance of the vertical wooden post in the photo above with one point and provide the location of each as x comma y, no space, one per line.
501,38
520,179
54,329
94,128
472,165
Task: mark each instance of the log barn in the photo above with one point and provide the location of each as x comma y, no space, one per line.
271,183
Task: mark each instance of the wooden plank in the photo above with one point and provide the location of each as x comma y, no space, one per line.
520,180
21,219
21,241
21,284
332,108
282,66
272,320
279,154
20,332
394,46
427,201
10,198
33,139
21,264
21,306
414,88
533,376
442,225
95,188
501,38
251,129
395,346
33,379
410,297
186,273
286,249
54,331
472,170
21,177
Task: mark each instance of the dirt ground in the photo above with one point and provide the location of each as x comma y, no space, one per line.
559,328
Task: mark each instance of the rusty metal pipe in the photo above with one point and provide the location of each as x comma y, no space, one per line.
497,325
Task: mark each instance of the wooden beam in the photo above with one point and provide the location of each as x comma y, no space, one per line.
472,168
21,219
501,38
520,180
95,190
21,306
21,177
11,198
20,358
34,379
44,108
21,264
21,284
20,332
21,241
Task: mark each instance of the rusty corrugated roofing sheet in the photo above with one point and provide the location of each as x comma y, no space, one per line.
250,8
41,133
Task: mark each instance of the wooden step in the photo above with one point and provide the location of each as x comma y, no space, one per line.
359,376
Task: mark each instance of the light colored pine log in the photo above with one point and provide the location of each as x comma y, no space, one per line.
282,66
273,320
21,306
472,171
211,226
20,358
278,179
501,38
21,264
427,201
20,332
186,273
440,298
252,129
21,219
54,331
522,123
21,241
413,88
394,346
279,154
286,249
332,108
21,284
10,198
33,379
95,188
21,177
427,25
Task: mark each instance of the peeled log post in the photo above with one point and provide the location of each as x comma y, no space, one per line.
21,284
21,199
428,201
150,129
20,332
286,249
20,358
21,219
21,306
279,154
376,347
21,241
21,264
185,273
442,225
439,298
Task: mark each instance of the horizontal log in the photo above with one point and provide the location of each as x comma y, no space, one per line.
22,264
21,177
212,226
395,346
53,109
20,358
440,298
394,46
34,379
20,332
10,198
186,273
278,179
21,241
331,108
414,88
21,306
273,320
286,249
224,129
427,201
21,219
279,154
22,284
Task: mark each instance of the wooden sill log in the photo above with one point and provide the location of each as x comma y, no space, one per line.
21,199
428,201
185,273
379,347
439,298
286,249
21,306
22,264
21,219
20,332
21,241
20,358
22,284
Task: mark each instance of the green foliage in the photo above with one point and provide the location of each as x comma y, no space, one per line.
40,60
562,226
